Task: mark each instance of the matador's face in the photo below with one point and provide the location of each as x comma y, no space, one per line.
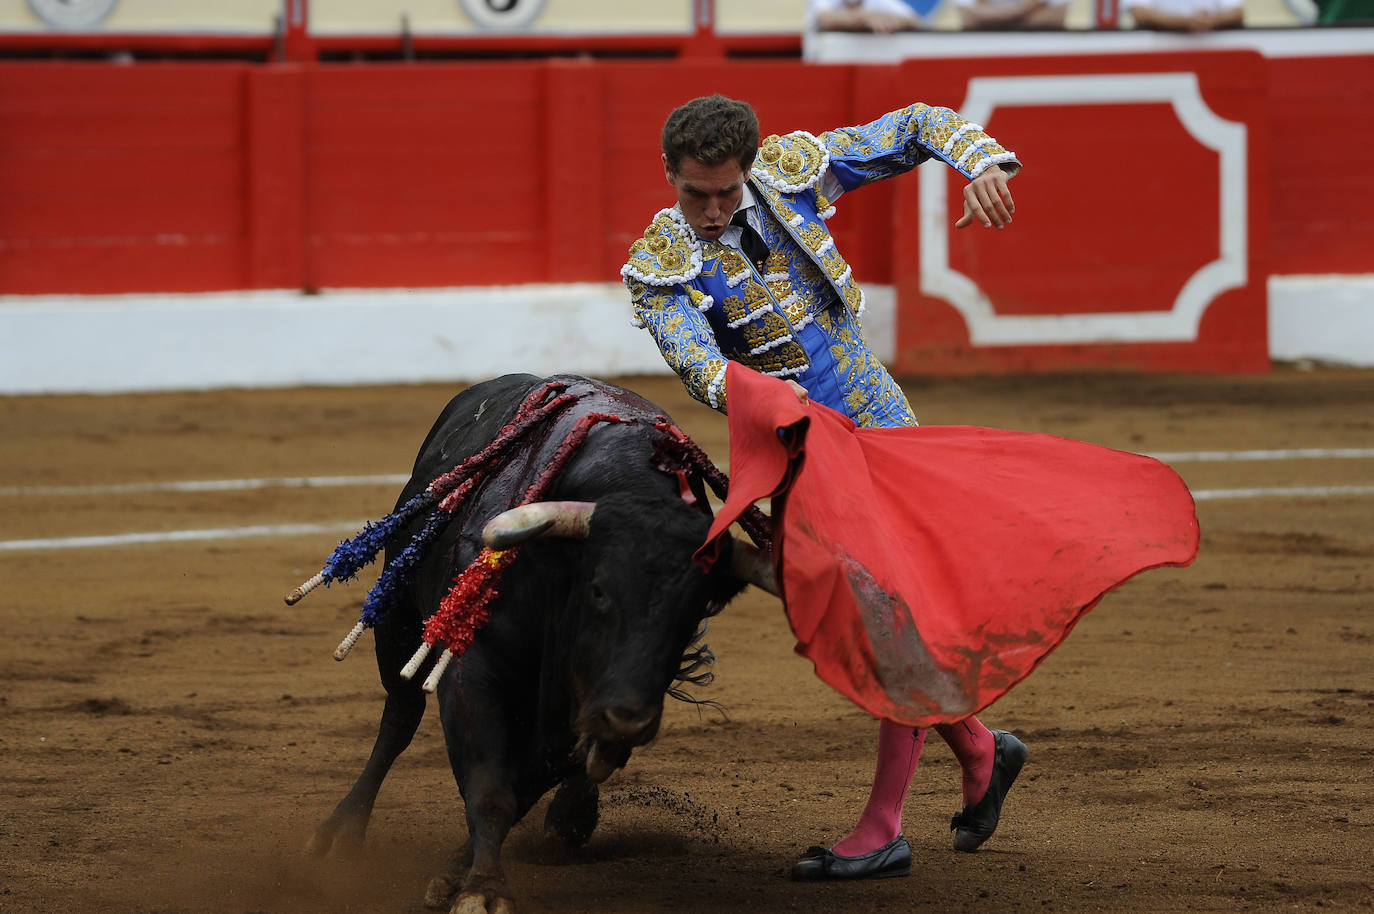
708,194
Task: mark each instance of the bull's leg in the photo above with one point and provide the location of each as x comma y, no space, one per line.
573,812
492,809
346,827
491,756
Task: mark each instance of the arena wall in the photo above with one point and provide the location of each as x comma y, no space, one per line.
238,224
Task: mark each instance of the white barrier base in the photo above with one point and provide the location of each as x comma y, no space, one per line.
1323,318
130,343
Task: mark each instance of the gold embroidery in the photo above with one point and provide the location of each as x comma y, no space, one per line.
732,262
853,295
771,330
735,308
664,255
814,236
834,264
790,163
786,359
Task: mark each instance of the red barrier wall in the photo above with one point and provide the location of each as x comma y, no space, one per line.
1127,226
193,177
1321,123
122,179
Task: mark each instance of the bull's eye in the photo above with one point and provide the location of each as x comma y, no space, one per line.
600,600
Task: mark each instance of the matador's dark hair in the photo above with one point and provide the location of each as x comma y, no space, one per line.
712,129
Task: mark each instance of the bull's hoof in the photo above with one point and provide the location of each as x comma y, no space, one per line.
441,890
573,812
478,903
342,838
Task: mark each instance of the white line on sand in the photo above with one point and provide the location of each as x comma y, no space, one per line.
226,533
179,536
211,485
396,479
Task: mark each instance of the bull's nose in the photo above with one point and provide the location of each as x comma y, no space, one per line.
630,723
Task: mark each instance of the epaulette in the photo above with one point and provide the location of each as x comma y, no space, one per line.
791,163
668,253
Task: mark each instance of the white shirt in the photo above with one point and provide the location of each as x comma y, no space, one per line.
892,7
828,185
1004,2
1186,7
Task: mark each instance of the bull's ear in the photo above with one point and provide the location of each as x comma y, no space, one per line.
542,518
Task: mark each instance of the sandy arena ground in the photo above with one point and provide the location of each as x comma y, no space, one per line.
170,732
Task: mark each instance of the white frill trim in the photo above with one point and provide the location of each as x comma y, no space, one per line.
713,389
706,303
752,315
784,372
796,221
957,135
972,148
694,244
844,277
989,161
759,350
826,245
863,303
636,323
806,319
737,278
789,300
776,277
779,184
827,214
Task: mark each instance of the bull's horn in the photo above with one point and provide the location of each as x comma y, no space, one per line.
753,566
543,518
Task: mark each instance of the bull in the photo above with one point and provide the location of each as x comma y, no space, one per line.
596,618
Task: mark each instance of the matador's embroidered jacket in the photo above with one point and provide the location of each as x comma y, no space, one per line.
705,303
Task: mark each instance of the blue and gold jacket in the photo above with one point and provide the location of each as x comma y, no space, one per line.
798,316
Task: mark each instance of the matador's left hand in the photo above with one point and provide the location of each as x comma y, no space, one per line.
988,200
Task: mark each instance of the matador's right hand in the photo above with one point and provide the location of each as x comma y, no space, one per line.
988,199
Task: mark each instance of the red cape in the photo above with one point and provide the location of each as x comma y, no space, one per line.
925,571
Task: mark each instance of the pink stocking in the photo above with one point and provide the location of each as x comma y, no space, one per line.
899,749
972,745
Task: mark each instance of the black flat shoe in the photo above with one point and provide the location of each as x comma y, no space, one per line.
975,824
819,863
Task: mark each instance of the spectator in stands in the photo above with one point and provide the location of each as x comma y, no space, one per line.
1187,15
880,16
1346,12
1012,14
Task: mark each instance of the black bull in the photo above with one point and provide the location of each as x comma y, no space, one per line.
584,639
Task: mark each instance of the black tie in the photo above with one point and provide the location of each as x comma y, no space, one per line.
752,243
